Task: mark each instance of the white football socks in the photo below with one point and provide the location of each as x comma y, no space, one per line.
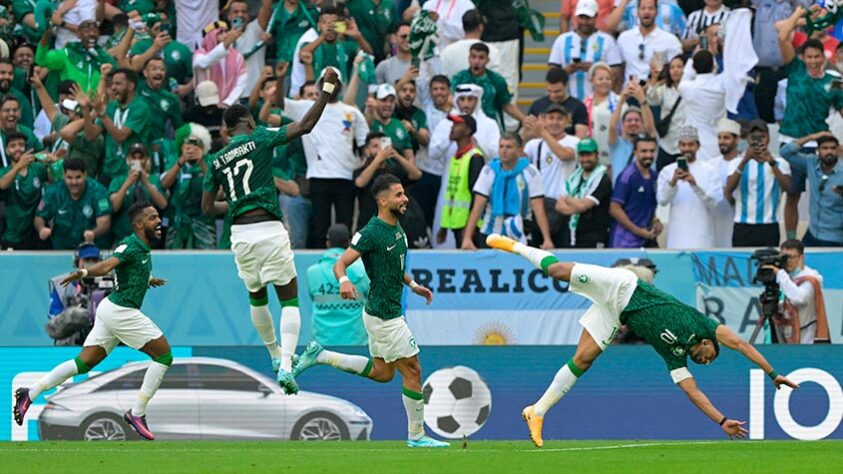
414,406
565,378
535,256
59,374
151,381
290,325
355,364
262,320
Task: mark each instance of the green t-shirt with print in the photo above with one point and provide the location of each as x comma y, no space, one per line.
22,200
71,218
136,116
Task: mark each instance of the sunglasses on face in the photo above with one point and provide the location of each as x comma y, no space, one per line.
194,142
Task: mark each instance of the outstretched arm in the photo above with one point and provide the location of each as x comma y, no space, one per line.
728,338
306,124
733,428
99,269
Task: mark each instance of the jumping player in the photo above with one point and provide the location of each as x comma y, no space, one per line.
259,241
118,319
675,330
382,245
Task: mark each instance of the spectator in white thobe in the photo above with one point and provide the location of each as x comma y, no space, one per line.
728,137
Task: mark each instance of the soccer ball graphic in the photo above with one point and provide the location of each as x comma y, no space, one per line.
457,402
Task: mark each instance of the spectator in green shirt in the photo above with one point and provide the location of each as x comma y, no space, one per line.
138,185
141,7
178,59
189,228
165,107
377,20
80,61
496,94
332,48
381,119
74,210
9,122
123,122
7,75
290,20
21,183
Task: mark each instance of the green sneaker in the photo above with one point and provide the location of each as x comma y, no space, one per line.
276,363
427,442
308,358
287,382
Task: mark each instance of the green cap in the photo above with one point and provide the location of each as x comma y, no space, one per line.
587,145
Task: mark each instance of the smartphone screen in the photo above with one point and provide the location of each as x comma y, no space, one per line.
386,142
682,164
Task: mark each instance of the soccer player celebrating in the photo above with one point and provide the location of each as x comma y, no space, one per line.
118,319
675,330
261,245
382,245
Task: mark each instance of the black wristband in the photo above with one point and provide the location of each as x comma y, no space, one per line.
723,421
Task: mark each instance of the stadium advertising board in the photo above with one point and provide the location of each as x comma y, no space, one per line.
627,394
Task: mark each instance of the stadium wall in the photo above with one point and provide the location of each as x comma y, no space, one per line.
627,394
480,297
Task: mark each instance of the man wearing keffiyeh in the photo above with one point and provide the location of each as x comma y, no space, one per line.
586,199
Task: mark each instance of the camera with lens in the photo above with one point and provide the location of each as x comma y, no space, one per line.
764,257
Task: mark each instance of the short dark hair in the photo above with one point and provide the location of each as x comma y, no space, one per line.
152,58
306,83
7,61
330,10
383,183
75,164
556,75
404,23
374,136
826,139
644,138
813,43
472,20
66,86
716,346
9,98
480,47
121,20
514,137
794,244
10,137
131,75
234,114
266,80
137,209
703,62
440,78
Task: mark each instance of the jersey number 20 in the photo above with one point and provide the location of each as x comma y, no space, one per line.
230,173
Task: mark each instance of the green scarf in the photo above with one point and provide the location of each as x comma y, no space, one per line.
423,37
576,188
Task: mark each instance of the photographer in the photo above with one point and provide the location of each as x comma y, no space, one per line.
72,307
802,289
756,182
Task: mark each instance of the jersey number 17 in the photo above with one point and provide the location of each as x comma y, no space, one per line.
234,171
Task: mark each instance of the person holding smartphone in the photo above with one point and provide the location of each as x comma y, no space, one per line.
138,185
693,190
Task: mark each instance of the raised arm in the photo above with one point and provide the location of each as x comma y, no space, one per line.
44,97
728,338
308,121
785,28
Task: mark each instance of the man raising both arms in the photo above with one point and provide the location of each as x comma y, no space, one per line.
118,319
261,246
675,330
382,245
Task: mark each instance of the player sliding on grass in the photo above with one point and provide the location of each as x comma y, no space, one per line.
675,331
261,245
382,245
118,319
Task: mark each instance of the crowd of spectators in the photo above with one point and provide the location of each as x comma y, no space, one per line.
648,103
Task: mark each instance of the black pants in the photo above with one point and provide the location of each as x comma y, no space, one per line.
755,235
326,194
426,191
766,86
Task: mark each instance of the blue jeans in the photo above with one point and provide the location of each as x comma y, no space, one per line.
298,212
810,241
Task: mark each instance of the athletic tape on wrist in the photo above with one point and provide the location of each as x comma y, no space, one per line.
84,272
327,87
343,279
413,285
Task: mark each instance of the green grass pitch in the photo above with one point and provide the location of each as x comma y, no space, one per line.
392,457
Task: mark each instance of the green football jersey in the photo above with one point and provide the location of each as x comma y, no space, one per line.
669,325
131,277
383,249
244,170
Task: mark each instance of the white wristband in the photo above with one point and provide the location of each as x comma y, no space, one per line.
343,279
328,87
84,272
413,285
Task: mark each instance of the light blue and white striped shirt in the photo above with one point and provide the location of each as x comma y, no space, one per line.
597,47
758,194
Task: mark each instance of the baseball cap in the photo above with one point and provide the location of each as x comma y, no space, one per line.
207,93
137,148
69,104
88,250
324,70
338,233
725,125
468,120
384,91
758,125
587,8
587,145
556,108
